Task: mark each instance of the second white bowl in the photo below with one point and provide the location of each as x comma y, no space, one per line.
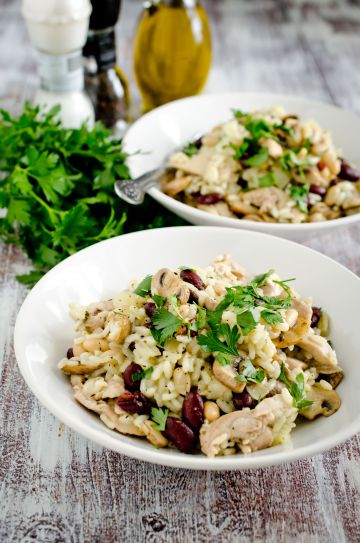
168,127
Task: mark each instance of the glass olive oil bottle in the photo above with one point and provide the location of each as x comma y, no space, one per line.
172,53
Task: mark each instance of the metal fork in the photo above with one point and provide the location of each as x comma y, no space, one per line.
133,191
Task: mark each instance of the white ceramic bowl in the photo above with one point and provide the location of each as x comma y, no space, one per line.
168,127
44,330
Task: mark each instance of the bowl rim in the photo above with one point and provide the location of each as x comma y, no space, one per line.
272,228
107,438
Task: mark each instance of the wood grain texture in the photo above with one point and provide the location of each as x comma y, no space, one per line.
56,486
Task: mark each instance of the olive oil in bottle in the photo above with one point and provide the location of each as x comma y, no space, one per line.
172,53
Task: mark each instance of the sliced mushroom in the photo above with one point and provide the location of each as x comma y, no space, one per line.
301,327
79,366
227,376
324,357
119,327
324,402
196,165
333,378
250,429
174,185
166,283
154,436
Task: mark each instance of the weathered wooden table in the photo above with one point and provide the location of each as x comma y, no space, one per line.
57,486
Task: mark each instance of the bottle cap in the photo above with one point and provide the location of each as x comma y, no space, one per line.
105,13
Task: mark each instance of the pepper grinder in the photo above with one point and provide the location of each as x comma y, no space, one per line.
58,30
104,81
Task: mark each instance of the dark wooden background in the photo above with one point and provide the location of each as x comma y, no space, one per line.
56,486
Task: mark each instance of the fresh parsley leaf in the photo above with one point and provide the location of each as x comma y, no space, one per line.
282,377
268,180
190,149
144,287
298,393
174,302
159,416
201,318
159,300
238,114
248,372
146,374
224,359
246,322
271,317
299,194
296,389
260,280
57,188
259,128
240,150
211,342
259,158
166,323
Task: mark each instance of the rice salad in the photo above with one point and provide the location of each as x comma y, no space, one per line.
265,166
204,359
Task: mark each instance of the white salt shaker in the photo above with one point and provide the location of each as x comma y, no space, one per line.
58,29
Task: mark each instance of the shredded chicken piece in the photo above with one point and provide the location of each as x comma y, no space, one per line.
251,429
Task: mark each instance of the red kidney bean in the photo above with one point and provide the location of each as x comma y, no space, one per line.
134,402
130,384
150,308
193,298
69,353
198,143
192,277
132,346
348,172
242,182
180,435
193,409
317,189
243,399
315,317
209,199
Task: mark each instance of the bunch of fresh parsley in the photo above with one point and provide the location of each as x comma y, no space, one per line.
57,188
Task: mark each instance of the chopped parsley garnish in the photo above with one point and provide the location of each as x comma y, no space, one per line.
190,149
271,317
165,325
174,302
296,389
201,318
241,149
299,194
259,158
246,322
238,114
248,372
144,288
146,374
268,180
212,343
159,416
260,280
159,300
